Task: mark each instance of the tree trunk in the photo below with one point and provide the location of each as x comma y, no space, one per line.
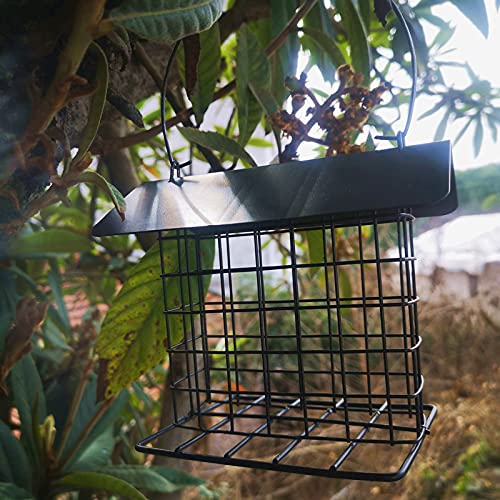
122,172
174,438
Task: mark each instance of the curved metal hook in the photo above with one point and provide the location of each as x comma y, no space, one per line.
175,166
401,135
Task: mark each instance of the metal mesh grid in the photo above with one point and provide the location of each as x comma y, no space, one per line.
294,346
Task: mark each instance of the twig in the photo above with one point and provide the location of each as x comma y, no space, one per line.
321,109
308,138
130,140
148,64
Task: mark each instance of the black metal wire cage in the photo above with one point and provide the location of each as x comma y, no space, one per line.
309,344
322,364
295,345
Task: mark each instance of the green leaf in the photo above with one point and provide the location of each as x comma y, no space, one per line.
252,66
166,20
97,453
316,250
265,99
8,301
178,477
441,129
358,39
132,337
95,481
97,103
258,142
365,10
493,125
431,111
317,56
478,136
70,218
400,42
12,492
281,13
443,37
29,399
370,143
86,411
490,201
51,242
91,177
207,71
141,477
463,130
476,13
327,45
218,142
14,463
345,287
315,246
54,279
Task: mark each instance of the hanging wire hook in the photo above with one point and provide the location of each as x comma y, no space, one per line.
401,135
175,166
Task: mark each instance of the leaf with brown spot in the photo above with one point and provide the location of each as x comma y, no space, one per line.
134,326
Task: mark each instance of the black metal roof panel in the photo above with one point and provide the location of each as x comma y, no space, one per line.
419,178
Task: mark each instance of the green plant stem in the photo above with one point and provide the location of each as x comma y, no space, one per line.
75,404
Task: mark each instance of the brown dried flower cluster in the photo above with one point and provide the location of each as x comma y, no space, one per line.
339,116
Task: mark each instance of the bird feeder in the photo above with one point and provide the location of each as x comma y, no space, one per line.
357,380
264,362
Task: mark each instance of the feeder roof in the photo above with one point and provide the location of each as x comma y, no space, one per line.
417,178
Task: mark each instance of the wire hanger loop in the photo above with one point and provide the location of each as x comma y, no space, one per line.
175,166
400,137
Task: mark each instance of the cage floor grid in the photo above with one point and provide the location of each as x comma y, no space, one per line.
324,425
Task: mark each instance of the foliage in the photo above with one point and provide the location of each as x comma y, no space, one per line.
78,80
165,20
133,333
479,188
68,448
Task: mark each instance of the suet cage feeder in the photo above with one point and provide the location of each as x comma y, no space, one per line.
333,364
336,363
